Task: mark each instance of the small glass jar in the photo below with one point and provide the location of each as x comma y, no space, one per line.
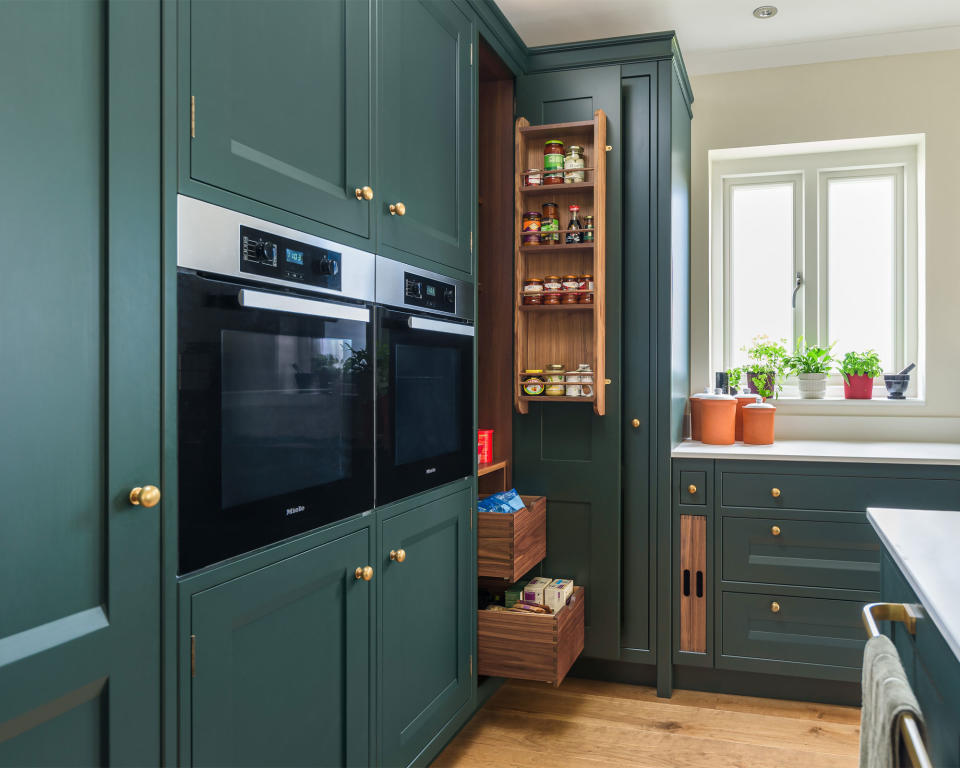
588,229
532,177
586,289
533,290
552,284
570,289
586,380
572,379
554,377
573,160
550,224
533,382
531,228
553,161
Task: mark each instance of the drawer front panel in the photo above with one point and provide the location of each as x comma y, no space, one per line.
805,629
803,491
801,553
693,487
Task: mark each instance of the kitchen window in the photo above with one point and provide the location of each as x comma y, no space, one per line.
820,241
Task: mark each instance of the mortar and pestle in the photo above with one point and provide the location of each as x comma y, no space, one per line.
897,383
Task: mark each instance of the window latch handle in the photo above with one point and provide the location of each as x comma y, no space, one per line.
796,287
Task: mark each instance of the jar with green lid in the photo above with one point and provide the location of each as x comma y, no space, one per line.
552,162
572,161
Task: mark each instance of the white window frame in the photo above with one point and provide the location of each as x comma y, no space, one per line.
810,167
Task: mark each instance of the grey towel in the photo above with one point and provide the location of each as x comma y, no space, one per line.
886,693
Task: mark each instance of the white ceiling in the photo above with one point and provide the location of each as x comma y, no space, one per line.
723,35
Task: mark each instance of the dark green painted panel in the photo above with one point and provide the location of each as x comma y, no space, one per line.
590,485
71,738
282,662
283,93
810,637
424,616
425,142
805,553
698,480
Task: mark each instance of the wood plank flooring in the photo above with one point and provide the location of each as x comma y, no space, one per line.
586,723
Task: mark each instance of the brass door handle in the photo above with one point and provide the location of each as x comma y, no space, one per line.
775,530
397,209
398,555
363,193
775,492
692,489
365,573
145,496
774,607
635,423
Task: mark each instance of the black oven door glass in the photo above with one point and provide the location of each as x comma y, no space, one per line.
275,420
425,407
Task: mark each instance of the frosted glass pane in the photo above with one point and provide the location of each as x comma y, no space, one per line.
761,264
860,265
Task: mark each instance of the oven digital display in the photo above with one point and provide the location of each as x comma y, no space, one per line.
294,257
431,290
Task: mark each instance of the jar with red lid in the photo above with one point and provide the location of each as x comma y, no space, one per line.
586,289
531,228
570,289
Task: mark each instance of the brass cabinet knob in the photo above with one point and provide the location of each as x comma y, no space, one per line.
397,209
145,496
775,530
365,573
635,423
692,489
398,555
363,193
775,492
774,607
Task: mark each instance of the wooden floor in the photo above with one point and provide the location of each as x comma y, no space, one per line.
587,723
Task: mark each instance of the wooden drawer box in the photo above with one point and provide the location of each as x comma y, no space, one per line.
529,646
805,636
802,553
508,546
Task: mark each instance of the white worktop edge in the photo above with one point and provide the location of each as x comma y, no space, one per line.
942,454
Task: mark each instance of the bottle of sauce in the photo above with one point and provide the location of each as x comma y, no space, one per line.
574,235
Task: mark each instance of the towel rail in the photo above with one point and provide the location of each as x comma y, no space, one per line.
907,614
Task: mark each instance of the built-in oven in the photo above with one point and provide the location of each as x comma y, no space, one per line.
425,378
275,383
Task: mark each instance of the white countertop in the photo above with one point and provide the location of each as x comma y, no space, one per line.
923,544
826,450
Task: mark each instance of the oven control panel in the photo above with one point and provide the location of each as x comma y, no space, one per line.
420,291
262,253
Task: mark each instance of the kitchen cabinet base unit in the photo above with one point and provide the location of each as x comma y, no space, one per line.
508,546
530,646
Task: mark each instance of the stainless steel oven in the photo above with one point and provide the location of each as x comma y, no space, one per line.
275,383
425,377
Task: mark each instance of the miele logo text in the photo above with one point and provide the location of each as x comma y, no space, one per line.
295,510
431,470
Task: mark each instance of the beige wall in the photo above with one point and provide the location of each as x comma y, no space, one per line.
917,93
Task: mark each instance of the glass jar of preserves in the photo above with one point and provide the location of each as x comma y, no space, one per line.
550,224
588,229
552,284
573,228
532,382
532,177
586,289
531,228
573,160
533,290
553,162
554,378
570,289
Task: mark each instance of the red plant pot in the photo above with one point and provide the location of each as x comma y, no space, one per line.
857,386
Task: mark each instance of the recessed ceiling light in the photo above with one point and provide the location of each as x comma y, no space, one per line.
765,11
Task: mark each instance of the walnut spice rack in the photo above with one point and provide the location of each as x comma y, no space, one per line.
562,333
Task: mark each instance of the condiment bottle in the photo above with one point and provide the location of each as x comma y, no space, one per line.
555,384
550,223
758,418
573,159
586,289
571,289
718,416
533,290
553,161
588,229
532,382
531,228
574,236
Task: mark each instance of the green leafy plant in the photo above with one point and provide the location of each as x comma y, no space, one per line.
860,364
810,359
766,364
765,381
734,375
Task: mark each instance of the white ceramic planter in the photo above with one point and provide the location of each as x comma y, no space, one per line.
813,386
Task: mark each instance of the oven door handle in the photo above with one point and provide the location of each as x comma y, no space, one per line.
278,303
425,324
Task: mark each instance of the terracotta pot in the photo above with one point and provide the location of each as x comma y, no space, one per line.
743,400
857,386
695,415
758,421
718,418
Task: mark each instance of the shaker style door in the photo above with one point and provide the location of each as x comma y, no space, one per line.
281,106
425,138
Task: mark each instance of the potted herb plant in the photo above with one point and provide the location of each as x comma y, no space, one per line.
765,366
859,369
734,375
812,365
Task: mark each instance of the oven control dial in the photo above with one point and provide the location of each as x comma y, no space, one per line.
326,266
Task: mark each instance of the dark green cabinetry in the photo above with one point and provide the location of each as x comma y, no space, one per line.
282,662
425,143
277,108
424,621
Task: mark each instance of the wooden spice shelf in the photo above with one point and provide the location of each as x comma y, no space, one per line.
486,467
547,247
554,307
548,189
556,399
551,130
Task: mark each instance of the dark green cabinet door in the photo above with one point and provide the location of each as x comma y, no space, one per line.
566,452
282,95
80,378
424,624
283,662
425,136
